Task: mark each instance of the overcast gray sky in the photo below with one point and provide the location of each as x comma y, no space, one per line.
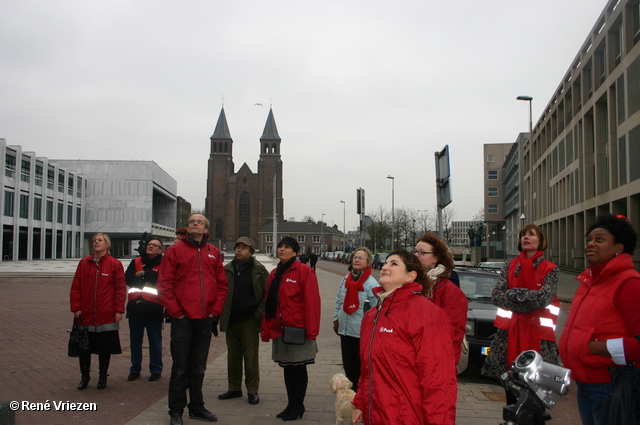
360,89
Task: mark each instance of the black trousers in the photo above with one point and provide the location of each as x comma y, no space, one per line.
351,358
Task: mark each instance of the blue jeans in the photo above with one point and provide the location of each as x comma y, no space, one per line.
190,339
154,334
592,400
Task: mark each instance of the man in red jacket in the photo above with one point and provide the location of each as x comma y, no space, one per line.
193,288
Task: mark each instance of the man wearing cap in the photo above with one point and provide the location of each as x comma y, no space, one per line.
241,319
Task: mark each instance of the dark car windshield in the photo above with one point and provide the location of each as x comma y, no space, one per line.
477,285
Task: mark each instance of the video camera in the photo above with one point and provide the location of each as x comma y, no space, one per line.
537,385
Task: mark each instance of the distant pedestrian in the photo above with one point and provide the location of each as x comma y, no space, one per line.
304,258
313,259
145,310
241,319
98,293
193,288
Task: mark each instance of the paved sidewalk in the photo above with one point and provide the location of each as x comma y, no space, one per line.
478,403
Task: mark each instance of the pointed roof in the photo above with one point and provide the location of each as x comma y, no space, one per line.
270,130
222,129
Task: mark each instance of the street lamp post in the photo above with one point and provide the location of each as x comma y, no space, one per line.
521,152
393,216
344,226
322,234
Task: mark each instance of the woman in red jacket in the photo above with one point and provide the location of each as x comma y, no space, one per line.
98,294
408,367
603,327
292,300
436,259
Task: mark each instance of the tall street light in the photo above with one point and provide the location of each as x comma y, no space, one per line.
521,151
322,234
344,226
393,214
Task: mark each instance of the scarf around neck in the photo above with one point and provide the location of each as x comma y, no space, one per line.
354,285
271,305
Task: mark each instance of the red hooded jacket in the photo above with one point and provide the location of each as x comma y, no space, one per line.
98,290
192,280
408,366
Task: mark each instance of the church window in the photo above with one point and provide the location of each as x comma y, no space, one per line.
215,147
218,231
244,215
226,147
273,148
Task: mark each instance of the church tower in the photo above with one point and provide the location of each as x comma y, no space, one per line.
239,204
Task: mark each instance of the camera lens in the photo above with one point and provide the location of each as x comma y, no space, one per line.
525,358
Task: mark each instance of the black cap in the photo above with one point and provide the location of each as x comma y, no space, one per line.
288,240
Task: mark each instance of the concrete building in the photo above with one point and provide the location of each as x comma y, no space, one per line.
495,155
126,199
459,235
311,236
43,207
582,159
241,203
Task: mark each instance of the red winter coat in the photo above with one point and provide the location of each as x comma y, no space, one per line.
453,301
408,367
192,280
298,302
99,291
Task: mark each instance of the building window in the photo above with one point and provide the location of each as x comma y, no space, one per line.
37,208
51,178
10,166
491,158
635,17
244,215
61,182
70,185
25,171
301,238
48,214
60,212
69,214
316,238
492,174
24,206
9,199
78,216
218,231
268,238
79,188
617,44
492,209
38,175
492,192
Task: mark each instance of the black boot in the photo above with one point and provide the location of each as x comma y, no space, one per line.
289,383
104,361
299,391
85,368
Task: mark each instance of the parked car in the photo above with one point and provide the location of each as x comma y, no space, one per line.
478,286
492,266
378,260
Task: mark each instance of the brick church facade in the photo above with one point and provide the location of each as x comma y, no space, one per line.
240,204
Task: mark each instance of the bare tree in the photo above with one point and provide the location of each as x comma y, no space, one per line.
380,230
448,215
307,219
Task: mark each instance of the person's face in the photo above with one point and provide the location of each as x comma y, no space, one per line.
394,273
100,244
360,261
530,241
285,252
197,225
243,252
153,248
424,252
601,247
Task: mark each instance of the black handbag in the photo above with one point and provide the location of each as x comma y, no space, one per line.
624,404
293,335
78,340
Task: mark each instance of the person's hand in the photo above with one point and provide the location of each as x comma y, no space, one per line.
335,327
356,417
140,273
77,314
214,328
118,317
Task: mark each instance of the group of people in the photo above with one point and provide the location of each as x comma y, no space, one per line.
401,337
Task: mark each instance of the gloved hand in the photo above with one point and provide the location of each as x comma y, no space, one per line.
214,328
335,327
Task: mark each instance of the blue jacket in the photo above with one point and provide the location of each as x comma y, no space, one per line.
349,324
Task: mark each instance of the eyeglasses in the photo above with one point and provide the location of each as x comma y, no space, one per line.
421,253
154,244
360,258
197,221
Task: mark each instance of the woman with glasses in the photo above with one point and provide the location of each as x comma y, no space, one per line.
525,295
355,296
437,261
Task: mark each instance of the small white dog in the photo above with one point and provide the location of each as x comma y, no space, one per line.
341,387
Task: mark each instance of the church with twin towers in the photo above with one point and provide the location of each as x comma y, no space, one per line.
241,203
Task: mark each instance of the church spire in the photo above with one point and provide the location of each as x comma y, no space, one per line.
222,129
270,130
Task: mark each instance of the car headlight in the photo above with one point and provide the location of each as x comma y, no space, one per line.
470,329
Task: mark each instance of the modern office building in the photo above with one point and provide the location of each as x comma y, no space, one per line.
42,205
495,155
459,235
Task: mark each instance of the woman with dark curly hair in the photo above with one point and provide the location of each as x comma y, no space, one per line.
603,327
406,350
438,262
527,306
